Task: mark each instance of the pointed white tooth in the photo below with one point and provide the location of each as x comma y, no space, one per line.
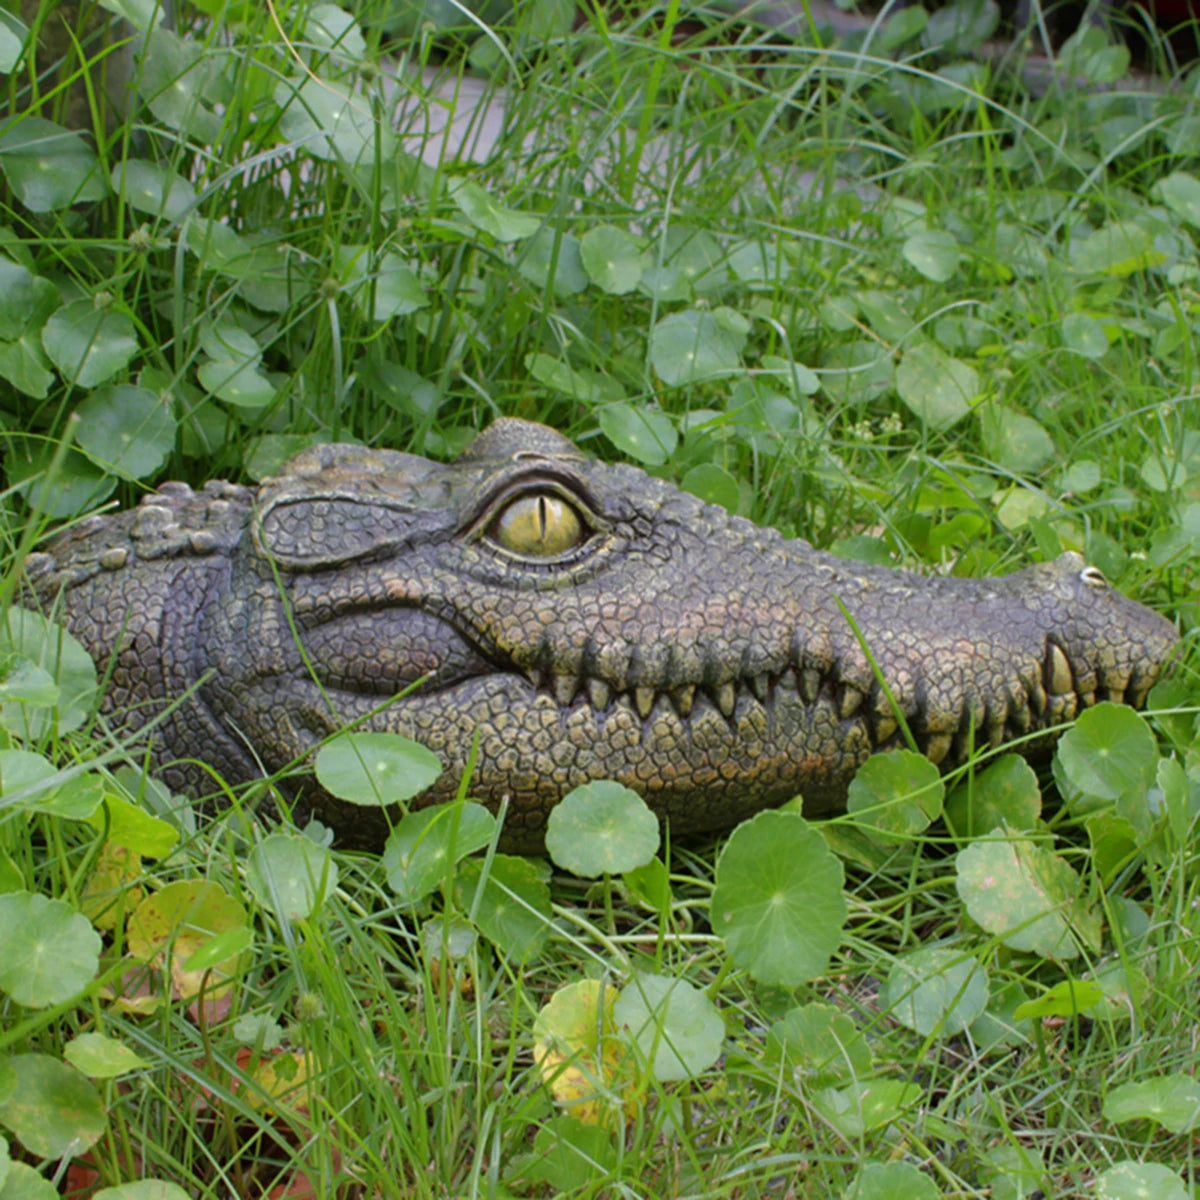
599,693
1059,681
939,746
726,698
683,698
643,697
565,687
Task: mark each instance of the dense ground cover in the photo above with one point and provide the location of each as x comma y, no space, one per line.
874,293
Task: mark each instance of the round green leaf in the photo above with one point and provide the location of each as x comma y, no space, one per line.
426,842
89,344
572,1155
778,900
676,1026
936,988
28,636
185,917
49,167
489,215
48,951
601,828
398,291
375,769
16,297
612,258
131,826
1180,192
126,430
54,1111
892,1181
1119,248
513,909
712,484
1084,335
538,260
332,29
26,1183
1015,441
175,76
1139,1181
821,1044
101,1057
20,769
142,1189
936,388
643,433
1025,894
896,795
694,346
332,122
14,36
934,253
8,1082
1003,795
589,387
153,188
291,875
1109,751
1172,1101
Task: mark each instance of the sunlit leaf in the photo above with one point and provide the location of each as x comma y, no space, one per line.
48,951
643,433
54,1111
1026,895
89,344
102,1057
936,989
153,188
601,828
513,910
676,1027
49,167
694,345
1139,1181
375,768
1172,1101
291,875
936,387
778,900
126,430
424,844
490,216
613,259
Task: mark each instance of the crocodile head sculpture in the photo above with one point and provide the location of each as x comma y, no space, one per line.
579,620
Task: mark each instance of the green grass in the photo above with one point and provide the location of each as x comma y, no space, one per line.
998,295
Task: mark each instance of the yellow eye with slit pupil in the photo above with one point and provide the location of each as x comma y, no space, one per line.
541,525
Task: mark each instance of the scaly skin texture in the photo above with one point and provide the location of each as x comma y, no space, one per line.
583,620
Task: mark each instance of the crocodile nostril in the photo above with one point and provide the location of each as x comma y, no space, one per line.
1056,671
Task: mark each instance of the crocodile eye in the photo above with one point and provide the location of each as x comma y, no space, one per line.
1093,577
538,525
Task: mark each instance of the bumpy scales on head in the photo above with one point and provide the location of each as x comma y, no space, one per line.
582,620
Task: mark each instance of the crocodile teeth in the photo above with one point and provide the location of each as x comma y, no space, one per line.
758,685
115,558
939,746
1057,672
643,697
565,687
726,696
599,693
885,725
852,698
683,697
810,684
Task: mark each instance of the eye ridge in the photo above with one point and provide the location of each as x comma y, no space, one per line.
538,524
